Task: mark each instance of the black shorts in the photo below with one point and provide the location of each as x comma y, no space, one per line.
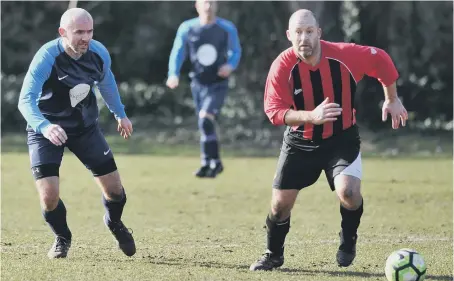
298,168
89,146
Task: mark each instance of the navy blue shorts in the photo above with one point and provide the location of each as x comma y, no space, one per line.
90,147
209,98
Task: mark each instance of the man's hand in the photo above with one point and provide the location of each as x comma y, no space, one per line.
172,82
325,112
124,127
225,70
396,109
55,134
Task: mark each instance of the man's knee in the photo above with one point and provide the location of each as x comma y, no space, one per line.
348,189
116,193
111,186
205,114
280,210
282,203
348,193
48,190
206,124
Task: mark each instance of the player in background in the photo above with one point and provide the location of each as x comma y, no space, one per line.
59,105
214,50
311,88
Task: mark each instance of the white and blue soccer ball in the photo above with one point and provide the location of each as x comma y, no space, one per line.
405,265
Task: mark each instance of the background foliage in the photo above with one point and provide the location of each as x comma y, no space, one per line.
139,36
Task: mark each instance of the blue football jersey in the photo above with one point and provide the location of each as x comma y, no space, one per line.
208,46
58,89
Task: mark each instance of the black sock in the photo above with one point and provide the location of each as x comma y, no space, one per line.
350,220
114,208
211,150
276,232
56,219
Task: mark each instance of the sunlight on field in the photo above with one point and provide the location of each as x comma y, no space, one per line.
189,229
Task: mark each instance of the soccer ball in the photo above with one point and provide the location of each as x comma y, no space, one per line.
405,265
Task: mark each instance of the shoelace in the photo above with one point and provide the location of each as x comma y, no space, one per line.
266,257
61,244
120,227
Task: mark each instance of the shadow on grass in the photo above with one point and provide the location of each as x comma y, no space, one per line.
179,262
353,273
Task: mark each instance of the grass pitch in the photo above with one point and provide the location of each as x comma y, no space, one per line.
190,229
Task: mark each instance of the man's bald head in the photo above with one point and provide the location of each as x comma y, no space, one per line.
74,15
304,33
302,16
76,28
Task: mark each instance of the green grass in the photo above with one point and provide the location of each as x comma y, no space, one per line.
189,229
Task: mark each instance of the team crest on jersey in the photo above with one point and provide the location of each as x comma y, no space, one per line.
207,54
78,93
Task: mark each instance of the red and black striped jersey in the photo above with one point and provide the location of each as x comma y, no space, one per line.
293,84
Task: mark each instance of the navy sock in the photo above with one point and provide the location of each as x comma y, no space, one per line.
114,208
56,219
211,150
209,145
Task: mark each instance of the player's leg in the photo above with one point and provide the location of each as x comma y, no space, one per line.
295,170
344,175
114,200
212,103
277,228
198,92
93,151
45,160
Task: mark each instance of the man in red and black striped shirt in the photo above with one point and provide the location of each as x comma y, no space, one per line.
311,89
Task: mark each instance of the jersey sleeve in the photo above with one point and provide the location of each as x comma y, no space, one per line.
37,74
234,46
277,97
108,87
374,62
179,52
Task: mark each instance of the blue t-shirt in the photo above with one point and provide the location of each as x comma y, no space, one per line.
209,47
58,89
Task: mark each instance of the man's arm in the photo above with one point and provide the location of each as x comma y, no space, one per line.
277,97
378,64
38,72
109,89
390,92
234,47
297,117
178,53
279,100
374,62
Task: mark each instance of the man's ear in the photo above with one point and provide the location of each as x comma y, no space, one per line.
62,31
288,35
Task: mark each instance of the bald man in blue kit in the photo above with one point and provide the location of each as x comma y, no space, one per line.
58,102
214,51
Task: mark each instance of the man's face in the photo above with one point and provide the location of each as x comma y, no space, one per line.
305,35
206,8
78,34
